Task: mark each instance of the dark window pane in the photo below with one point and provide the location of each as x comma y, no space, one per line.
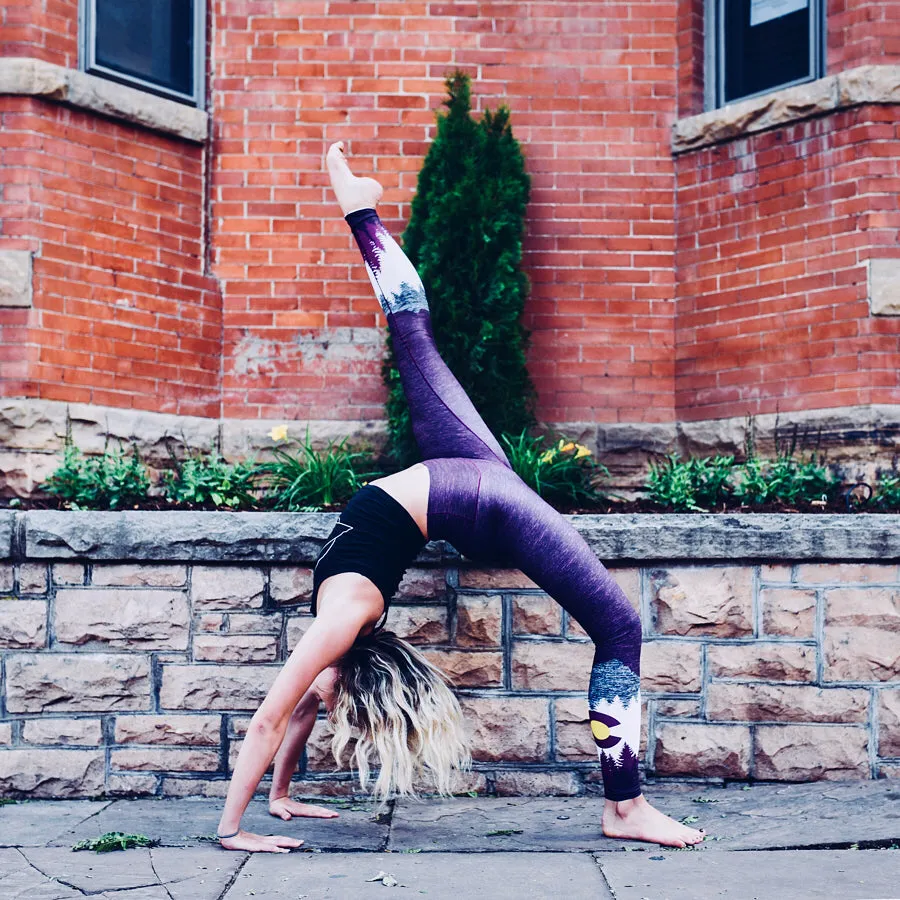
150,39
768,54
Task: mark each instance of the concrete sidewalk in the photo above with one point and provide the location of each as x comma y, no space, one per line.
832,840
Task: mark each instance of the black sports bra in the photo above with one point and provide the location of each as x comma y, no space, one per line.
376,537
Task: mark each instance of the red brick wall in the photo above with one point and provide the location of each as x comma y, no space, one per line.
862,32
44,29
122,313
591,90
774,232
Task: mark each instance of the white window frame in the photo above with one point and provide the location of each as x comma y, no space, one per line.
87,32
714,53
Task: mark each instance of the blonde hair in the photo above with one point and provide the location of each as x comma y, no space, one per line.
398,707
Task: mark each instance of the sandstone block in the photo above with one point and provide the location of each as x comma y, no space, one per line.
494,579
254,623
629,579
235,648
318,750
226,587
173,730
5,733
786,703
133,575
32,578
164,759
551,665
419,624
55,774
479,621
209,687
776,573
290,584
507,729
132,785
77,682
710,751
7,577
788,611
23,624
536,614
846,573
811,752
15,278
862,634
767,661
536,784
200,787
889,723
122,618
211,623
670,667
574,630
423,584
573,734
469,668
62,731
296,627
714,600
678,709
68,573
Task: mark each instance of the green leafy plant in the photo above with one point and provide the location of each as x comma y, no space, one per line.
563,472
887,491
691,485
210,480
110,481
465,238
314,478
116,840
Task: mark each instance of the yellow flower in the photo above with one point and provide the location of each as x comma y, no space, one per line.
279,433
582,451
547,455
568,447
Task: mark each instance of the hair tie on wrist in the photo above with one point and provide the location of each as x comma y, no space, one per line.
224,837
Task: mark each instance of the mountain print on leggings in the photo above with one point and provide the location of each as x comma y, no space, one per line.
615,716
396,282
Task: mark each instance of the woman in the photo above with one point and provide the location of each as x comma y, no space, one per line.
375,686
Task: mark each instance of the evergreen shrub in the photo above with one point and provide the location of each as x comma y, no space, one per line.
465,238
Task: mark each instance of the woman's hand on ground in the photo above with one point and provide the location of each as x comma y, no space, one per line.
285,808
260,843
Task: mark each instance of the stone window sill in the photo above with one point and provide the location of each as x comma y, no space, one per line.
865,84
36,78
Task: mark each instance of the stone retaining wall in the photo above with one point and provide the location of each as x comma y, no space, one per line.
135,647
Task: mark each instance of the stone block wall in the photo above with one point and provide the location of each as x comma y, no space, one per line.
132,661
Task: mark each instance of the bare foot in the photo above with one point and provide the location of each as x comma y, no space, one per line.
285,808
637,820
352,192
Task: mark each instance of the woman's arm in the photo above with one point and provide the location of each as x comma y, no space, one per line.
327,640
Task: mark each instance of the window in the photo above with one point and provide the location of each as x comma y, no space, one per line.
756,46
156,45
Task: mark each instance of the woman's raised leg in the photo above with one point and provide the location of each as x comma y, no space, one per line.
445,422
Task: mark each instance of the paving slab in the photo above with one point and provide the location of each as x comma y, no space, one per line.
196,873
35,823
19,879
486,824
181,823
754,875
769,816
437,876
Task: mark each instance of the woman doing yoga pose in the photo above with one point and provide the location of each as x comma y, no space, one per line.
376,687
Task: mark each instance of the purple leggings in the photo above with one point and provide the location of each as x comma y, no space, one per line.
478,504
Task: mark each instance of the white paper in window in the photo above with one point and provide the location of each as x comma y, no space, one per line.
766,10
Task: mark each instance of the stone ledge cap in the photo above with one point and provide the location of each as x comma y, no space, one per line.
269,537
37,78
864,84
